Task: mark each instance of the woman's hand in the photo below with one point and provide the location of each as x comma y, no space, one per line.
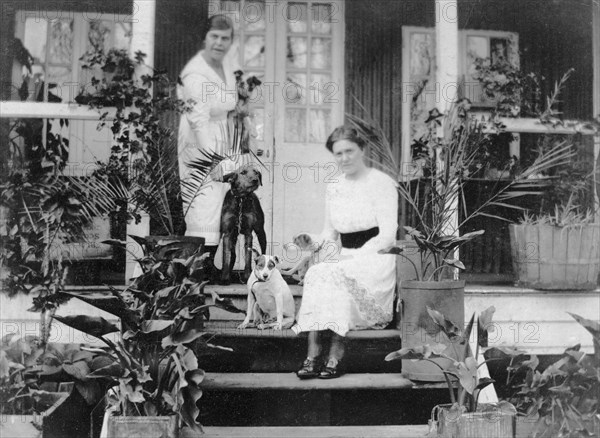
217,173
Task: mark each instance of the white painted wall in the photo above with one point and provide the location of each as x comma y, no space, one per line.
536,321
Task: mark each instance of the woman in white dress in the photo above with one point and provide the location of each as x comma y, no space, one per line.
356,291
208,80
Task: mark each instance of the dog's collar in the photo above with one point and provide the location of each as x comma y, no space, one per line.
258,280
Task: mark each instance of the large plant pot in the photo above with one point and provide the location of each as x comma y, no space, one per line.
417,327
186,245
549,257
147,427
31,426
488,422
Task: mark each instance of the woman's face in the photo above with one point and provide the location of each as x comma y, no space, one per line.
348,156
217,43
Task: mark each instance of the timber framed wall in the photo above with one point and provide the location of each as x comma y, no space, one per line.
553,36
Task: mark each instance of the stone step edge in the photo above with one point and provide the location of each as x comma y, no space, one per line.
470,289
405,431
289,381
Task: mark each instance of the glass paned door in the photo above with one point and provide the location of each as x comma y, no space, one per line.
309,70
296,50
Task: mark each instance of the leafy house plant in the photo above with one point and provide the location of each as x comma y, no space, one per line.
433,189
562,400
152,367
142,169
465,416
26,408
143,166
556,245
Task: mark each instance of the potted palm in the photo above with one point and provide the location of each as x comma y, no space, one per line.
464,417
433,188
553,246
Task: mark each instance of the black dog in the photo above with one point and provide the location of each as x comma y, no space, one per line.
243,214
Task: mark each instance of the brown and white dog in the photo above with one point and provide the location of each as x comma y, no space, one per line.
241,214
270,300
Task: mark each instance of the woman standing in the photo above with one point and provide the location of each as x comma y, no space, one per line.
208,80
357,290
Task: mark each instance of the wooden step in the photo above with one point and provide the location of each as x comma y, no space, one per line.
404,431
290,382
267,351
408,431
228,328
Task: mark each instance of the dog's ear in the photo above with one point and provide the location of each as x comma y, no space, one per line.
259,176
276,259
255,253
230,177
303,240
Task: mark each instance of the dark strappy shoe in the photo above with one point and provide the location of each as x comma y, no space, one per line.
332,370
310,369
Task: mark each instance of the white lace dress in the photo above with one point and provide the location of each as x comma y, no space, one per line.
357,291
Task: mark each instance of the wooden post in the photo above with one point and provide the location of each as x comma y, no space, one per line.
142,40
446,52
596,91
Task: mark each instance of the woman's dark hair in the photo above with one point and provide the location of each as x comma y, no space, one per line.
344,133
218,22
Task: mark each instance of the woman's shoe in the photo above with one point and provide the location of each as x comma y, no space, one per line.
310,369
332,370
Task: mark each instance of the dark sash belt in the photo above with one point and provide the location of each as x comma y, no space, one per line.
358,238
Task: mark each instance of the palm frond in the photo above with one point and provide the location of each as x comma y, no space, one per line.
200,168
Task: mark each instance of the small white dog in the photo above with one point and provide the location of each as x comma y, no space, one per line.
270,300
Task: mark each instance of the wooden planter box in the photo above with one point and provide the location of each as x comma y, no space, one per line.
28,426
488,422
562,258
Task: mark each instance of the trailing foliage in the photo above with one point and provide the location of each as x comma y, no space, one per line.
153,367
564,398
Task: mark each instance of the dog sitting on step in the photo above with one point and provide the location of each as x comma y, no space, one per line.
270,300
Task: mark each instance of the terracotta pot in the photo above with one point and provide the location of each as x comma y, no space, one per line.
187,244
417,327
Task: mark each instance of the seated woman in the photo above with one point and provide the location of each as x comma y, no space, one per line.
356,291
